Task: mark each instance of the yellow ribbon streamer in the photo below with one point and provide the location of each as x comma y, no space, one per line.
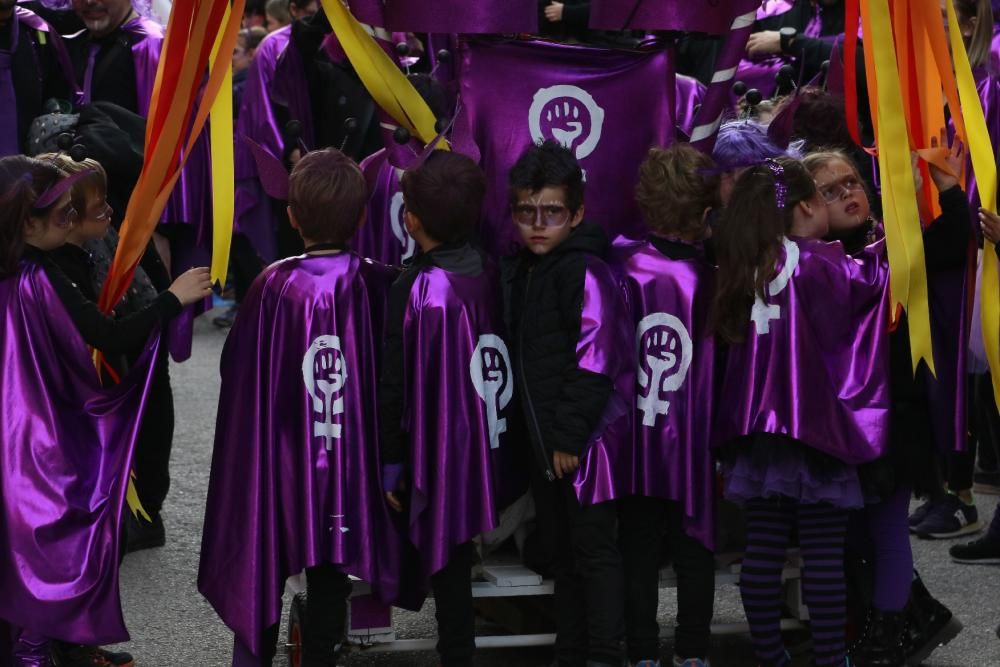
223,166
385,82
985,168
904,236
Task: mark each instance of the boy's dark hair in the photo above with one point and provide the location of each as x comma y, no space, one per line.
544,165
446,192
327,194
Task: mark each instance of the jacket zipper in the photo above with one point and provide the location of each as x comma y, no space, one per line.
540,449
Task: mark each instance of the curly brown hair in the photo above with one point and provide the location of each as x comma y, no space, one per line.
676,185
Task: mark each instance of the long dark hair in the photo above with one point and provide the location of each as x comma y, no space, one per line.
21,180
748,240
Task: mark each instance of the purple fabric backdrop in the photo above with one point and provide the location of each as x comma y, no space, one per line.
461,16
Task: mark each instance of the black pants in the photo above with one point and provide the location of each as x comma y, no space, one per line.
644,524
587,566
456,623
984,435
156,438
327,591
244,265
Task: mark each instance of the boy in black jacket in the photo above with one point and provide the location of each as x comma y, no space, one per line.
566,394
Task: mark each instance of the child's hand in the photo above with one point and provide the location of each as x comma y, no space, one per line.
955,160
564,464
990,222
192,286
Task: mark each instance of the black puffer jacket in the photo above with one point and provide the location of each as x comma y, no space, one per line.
543,303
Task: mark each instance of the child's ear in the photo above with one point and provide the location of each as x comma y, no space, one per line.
364,219
412,223
577,217
291,219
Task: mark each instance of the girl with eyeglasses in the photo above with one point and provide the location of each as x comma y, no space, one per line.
912,462
804,394
66,442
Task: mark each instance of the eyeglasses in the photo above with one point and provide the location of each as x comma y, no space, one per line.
831,192
66,218
105,214
547,215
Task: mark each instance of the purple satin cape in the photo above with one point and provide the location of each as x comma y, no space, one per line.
669,306
65,456
516,93
606,467
713,18
462,16
690,93
453,343
256,121
295,470
384,237
815,362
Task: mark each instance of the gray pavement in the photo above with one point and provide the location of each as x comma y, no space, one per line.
172,625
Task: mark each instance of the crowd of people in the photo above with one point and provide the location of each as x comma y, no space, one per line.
398,378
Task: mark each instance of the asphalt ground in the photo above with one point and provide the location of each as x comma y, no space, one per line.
172,625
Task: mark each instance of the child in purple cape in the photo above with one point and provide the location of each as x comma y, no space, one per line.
912,463
669,284
66,441
294,482
804,394
446,380
575,364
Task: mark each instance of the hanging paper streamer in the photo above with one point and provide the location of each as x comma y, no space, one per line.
172,126
709,118
223,166
385,82
985,167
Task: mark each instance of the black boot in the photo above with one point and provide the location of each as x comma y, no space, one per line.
882,642
929,624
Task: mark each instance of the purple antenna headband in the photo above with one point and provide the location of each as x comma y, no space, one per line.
52,193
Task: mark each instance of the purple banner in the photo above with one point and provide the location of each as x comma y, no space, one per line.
462,16
710,16
815,362
514,94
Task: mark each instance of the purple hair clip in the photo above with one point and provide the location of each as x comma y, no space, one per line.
52,193
780,187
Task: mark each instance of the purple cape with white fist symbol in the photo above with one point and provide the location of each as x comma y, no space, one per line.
670,302
815,362
458,389
66,448
294,479
256,121
384,237
517,93
606,468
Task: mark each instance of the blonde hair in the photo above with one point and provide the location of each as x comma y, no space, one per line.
94,183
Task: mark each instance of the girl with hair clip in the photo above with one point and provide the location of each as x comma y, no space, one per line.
804,394
66,443
912,463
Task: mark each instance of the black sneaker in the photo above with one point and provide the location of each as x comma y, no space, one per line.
921,513
73,655
951,517
141,534
984,551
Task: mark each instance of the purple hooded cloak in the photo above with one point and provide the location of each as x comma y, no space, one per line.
669,303
65,455
815,362
295,471
514,94
458,386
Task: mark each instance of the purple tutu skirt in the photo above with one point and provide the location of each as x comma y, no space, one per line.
768,466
